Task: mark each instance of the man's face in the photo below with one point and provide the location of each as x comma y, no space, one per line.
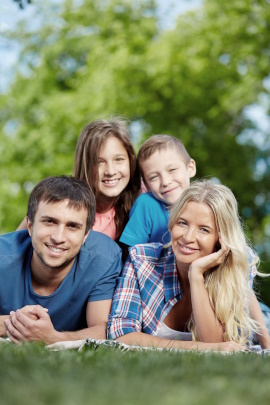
58,232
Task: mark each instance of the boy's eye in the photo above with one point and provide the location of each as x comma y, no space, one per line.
173,169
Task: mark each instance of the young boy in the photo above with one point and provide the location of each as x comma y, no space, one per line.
166,169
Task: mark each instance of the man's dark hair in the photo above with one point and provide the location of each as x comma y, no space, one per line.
55,189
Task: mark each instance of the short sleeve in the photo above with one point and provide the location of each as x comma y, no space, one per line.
105,285
138,228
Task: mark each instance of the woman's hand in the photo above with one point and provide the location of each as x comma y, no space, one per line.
201,265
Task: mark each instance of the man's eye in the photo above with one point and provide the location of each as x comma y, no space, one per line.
74,226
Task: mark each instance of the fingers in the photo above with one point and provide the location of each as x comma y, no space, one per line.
39,311
224,251
12,338
19,325
32,308
12,332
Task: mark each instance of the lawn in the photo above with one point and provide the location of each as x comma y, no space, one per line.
32,375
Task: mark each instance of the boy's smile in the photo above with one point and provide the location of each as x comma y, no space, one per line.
166,175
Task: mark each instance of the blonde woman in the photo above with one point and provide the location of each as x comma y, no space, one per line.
199,287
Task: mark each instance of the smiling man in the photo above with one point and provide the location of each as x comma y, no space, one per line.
57,278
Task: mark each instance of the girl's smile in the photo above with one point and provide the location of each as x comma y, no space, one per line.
113,168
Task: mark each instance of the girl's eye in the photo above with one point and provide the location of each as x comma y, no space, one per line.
153,178
100,162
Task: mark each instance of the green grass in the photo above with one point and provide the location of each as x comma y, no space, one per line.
32,375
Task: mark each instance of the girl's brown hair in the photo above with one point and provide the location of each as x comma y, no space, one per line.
90,140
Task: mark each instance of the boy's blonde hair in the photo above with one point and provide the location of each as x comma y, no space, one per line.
227,284
160,142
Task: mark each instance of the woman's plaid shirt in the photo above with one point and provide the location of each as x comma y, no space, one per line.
147,290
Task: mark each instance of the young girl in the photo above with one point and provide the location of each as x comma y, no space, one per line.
196,288
106,161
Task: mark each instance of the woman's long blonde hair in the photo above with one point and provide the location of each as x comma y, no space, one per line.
227,284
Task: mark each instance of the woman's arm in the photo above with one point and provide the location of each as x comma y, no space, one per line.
256,314
208,326
144,340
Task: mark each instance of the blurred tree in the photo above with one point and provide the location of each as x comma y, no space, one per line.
22,3
90,59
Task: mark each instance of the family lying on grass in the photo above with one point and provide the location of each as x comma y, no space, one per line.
187,282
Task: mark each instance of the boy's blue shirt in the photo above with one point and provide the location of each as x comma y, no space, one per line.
148,222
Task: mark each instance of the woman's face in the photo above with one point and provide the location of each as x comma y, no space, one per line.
113,168
194,234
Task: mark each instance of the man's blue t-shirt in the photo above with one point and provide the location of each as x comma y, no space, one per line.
91,278
148,222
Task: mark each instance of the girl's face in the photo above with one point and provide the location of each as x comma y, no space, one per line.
194,234
113,168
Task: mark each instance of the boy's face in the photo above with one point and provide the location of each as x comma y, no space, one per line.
166,175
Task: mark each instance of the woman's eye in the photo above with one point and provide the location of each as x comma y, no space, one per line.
204,230
181,223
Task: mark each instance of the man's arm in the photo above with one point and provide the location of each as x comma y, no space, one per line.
97,313
20,328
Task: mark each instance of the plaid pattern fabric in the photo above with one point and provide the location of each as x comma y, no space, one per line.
147,290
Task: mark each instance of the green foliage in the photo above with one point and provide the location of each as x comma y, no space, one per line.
90,59
32,375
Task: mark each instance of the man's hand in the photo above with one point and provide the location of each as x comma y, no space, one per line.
30,323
